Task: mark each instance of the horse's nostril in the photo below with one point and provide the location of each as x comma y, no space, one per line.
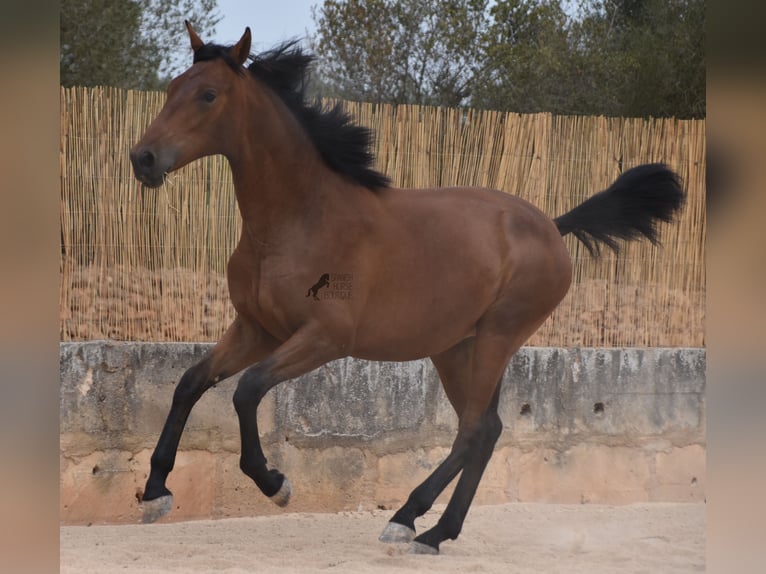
146,159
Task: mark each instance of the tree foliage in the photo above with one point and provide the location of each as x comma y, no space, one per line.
526,64
127,43
656,46
612,57
416,51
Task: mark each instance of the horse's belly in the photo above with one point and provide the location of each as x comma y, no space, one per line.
412,328
405,349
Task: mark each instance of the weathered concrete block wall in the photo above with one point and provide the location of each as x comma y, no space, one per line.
581,425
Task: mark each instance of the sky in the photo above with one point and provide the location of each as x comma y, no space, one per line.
270,21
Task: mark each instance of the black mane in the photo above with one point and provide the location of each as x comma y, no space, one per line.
343,145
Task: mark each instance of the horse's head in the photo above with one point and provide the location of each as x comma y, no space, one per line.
196,119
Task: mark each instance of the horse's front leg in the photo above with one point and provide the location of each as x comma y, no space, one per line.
241,345
306,350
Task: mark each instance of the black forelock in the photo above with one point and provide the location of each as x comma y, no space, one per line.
343,145
216,52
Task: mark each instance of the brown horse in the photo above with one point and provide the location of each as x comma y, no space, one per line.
461,275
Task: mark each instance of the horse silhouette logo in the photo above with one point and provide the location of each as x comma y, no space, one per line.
324,281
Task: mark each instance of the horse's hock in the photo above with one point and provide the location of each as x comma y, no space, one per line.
580,425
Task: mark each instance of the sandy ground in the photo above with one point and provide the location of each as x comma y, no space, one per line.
510,538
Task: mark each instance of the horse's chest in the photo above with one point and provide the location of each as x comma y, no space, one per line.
270,292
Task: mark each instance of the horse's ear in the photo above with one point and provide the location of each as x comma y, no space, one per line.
241,50
196,43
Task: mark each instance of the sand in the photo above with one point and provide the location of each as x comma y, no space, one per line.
509,538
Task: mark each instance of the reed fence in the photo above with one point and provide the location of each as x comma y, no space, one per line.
149,265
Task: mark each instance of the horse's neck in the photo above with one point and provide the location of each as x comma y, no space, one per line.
270,169
285,186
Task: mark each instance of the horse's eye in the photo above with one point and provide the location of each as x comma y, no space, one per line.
209,96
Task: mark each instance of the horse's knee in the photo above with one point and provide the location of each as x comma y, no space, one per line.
244,398
251,389
194,382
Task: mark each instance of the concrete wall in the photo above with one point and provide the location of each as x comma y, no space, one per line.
581,425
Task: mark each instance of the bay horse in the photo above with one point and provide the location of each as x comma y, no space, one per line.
476,271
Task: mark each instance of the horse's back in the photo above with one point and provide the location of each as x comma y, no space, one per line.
472,224
446,256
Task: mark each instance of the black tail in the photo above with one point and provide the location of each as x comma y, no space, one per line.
628,209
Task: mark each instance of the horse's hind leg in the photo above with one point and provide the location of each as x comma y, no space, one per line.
480,426
451,521
240,346
454,368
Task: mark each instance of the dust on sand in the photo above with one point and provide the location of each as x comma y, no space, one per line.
518,538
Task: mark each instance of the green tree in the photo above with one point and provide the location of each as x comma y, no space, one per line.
526,60
667,44
409,51
647,55
127,43
609,57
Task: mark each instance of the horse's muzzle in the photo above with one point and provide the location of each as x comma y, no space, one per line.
150,167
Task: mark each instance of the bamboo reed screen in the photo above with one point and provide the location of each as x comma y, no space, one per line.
149,265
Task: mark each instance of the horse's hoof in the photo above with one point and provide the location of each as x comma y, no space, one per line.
394,533
420,548
282,496
156,508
